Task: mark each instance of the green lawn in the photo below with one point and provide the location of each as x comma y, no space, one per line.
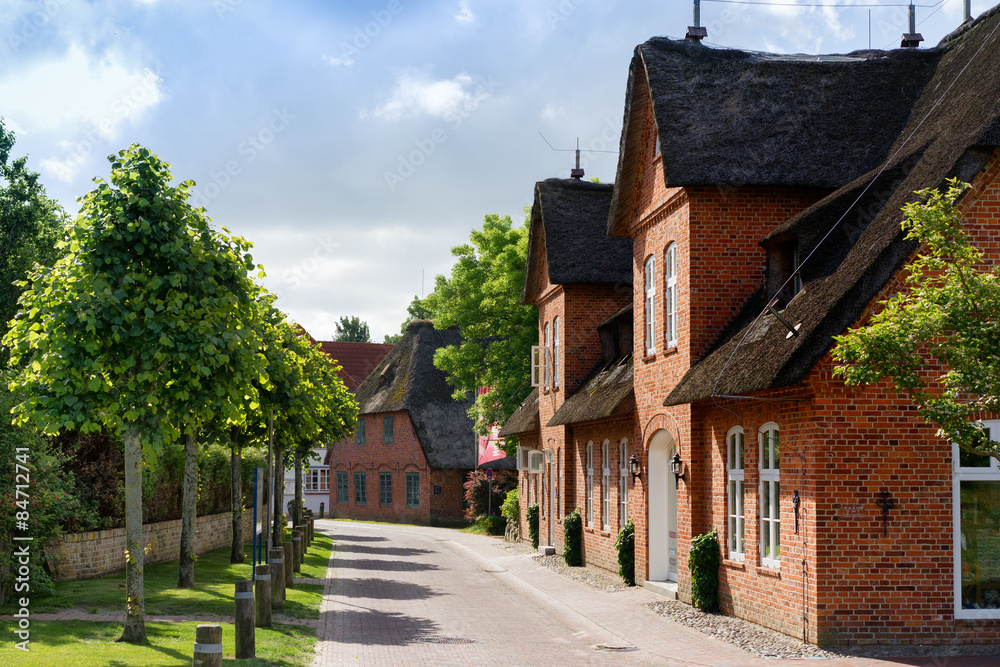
64,643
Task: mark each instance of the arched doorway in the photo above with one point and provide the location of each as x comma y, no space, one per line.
662,509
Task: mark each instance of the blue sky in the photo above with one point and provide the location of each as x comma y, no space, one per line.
356,143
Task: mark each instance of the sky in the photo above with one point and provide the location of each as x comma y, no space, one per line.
356,143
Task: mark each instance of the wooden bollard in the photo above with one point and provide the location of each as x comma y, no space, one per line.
297,552
303,545
207,646
289,570
262,588
321,508
244,619
312,529
276,559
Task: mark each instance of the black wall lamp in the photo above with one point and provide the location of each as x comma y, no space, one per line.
677,467
633,467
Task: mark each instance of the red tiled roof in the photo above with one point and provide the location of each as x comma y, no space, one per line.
357,359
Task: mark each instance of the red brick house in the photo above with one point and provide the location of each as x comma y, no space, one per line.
414,445
759,190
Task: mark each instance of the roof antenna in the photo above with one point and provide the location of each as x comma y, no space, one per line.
968,11
912,39
577,173
696,31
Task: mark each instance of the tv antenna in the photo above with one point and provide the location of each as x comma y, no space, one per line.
576,173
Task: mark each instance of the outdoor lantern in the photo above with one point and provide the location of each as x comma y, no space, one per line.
677,467
633,467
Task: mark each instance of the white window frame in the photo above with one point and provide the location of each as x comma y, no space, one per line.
623,483
536,461
555,351
735,493
969,474
670,295
650,305
590,484
606,485
555,486
540,361
770,478
313,479
522,457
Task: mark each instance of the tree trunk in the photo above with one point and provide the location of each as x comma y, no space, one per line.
277,535
135,608
237,555
189,512
297,511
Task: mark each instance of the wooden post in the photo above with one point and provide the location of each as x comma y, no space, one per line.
304,546
322,506
208,646
262,589
297,554
289,570
244,621
276,560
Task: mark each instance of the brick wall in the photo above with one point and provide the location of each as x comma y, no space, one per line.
94,554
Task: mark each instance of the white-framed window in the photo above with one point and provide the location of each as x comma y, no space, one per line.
522,457
622,483
555,488
590,484
650,305
606,485
735,493
555,351
770,496
316,479
976,508
670,294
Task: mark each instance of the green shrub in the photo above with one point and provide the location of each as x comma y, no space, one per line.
626,553
573,530
704,563
494,524
533,525
511,508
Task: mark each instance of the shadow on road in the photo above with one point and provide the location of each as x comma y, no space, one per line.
384,589
356,626
339,537
380,551
381,565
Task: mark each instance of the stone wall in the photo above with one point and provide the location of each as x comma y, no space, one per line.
94,554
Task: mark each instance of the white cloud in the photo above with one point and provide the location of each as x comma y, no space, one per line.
464,14
81,98
416,94
343,61
551,111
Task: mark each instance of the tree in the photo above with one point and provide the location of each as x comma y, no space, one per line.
937,338
111,336
30,226
483,297
352,329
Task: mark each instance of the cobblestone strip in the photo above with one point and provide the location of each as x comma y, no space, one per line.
119,617
324,631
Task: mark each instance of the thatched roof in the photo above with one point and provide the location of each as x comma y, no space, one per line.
525,418
568,220
406,379
725,116
952,130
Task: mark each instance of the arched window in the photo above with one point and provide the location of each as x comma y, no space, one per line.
670,294
735,492
650,305
770,496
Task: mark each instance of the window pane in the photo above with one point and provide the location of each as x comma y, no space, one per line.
980,544
765,501
739,451
776,515
775,441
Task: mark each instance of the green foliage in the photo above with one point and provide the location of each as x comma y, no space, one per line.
573,530
532,516
477,489
937,339
352,329
626,553
704,563
493,524
483,298
511,508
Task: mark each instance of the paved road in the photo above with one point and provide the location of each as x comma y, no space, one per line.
411,595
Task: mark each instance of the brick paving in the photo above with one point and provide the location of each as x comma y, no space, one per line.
413,595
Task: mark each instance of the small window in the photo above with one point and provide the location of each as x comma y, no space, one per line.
387,428
670,294
555,352
736,494
360,488
650,306
385,488
770,496
342,490
359,431
540,358
522,458
413,489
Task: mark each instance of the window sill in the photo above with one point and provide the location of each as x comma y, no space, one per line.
649,357
769,571
598,531
671,350
734,564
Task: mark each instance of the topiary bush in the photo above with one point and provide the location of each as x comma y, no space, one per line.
704,563
626,553
532,514
573,530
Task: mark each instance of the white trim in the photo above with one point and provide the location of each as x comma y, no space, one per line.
770,475
555,351
649,309
670,295
735,508
623,474
606,485
590,484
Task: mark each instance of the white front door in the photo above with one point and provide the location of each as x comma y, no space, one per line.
662,501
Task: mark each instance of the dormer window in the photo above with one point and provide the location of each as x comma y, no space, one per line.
656,148
783,278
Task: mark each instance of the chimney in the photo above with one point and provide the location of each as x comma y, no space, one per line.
578,172
912,39
968,11
696,32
